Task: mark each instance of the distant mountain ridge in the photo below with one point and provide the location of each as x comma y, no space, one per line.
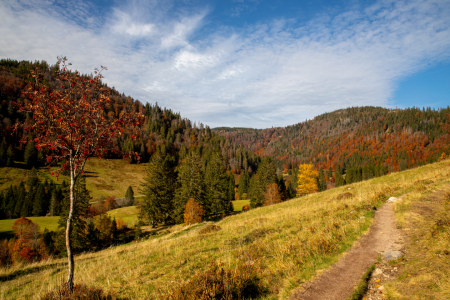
353,138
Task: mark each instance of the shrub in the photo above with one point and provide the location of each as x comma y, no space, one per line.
193,212
245,207
80,292
218,282
209,228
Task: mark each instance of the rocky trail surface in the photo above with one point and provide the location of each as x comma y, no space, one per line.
338,283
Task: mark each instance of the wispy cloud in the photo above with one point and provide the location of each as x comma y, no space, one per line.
264,75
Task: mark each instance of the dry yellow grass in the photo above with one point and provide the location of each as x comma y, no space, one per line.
425,217
294,240
107,177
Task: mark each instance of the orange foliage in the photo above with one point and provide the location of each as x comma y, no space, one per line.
272,195
193,212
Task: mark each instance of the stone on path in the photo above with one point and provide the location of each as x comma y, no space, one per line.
392,199
391,255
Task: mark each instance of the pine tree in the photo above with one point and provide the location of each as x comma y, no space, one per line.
10,203
30,155
55,202
39,207
27,207
159,189
3,149
33,179
191,181
129,196
216,181
321,183
265,175
244,182
10,156
282,186
2,206
290,190
231,187
21,195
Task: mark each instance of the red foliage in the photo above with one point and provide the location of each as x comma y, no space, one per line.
71,122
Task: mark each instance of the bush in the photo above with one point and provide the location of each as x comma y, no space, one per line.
80,292
219,282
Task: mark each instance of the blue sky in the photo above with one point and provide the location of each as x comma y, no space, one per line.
249,63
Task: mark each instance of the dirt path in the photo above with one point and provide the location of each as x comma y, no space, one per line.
340,280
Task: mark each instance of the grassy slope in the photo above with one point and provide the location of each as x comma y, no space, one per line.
424,215
291,240
104,176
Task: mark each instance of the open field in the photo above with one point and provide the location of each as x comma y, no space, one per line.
238,204
108,177
128,214
289,243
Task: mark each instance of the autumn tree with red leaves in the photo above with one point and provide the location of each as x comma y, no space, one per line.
71,124
28,245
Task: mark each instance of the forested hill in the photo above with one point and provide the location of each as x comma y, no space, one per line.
363,140
163,130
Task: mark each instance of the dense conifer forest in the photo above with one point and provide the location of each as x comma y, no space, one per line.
352,144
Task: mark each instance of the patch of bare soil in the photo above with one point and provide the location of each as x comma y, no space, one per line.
340,280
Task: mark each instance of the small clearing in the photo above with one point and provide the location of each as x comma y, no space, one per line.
340,280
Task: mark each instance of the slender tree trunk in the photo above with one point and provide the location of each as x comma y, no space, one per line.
69,282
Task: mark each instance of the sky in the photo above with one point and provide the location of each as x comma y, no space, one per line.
245,63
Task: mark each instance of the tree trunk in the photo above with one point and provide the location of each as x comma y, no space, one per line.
69,283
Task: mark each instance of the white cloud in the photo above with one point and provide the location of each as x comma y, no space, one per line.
264,75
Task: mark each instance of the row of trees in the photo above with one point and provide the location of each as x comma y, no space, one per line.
33,198
92,230
167,188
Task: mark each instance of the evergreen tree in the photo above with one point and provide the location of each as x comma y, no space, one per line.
265,175
21,195
2,206
55,202
282,188
39,205
338,179
244,182
114,230
231,187
10,203
321,182
129,196
191,181
290,190
81,209
92,236
33,179
27,207
10,156
3,149
216,181
159,189
30,155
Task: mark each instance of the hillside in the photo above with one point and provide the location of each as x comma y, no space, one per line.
370,141
281,245
163,130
